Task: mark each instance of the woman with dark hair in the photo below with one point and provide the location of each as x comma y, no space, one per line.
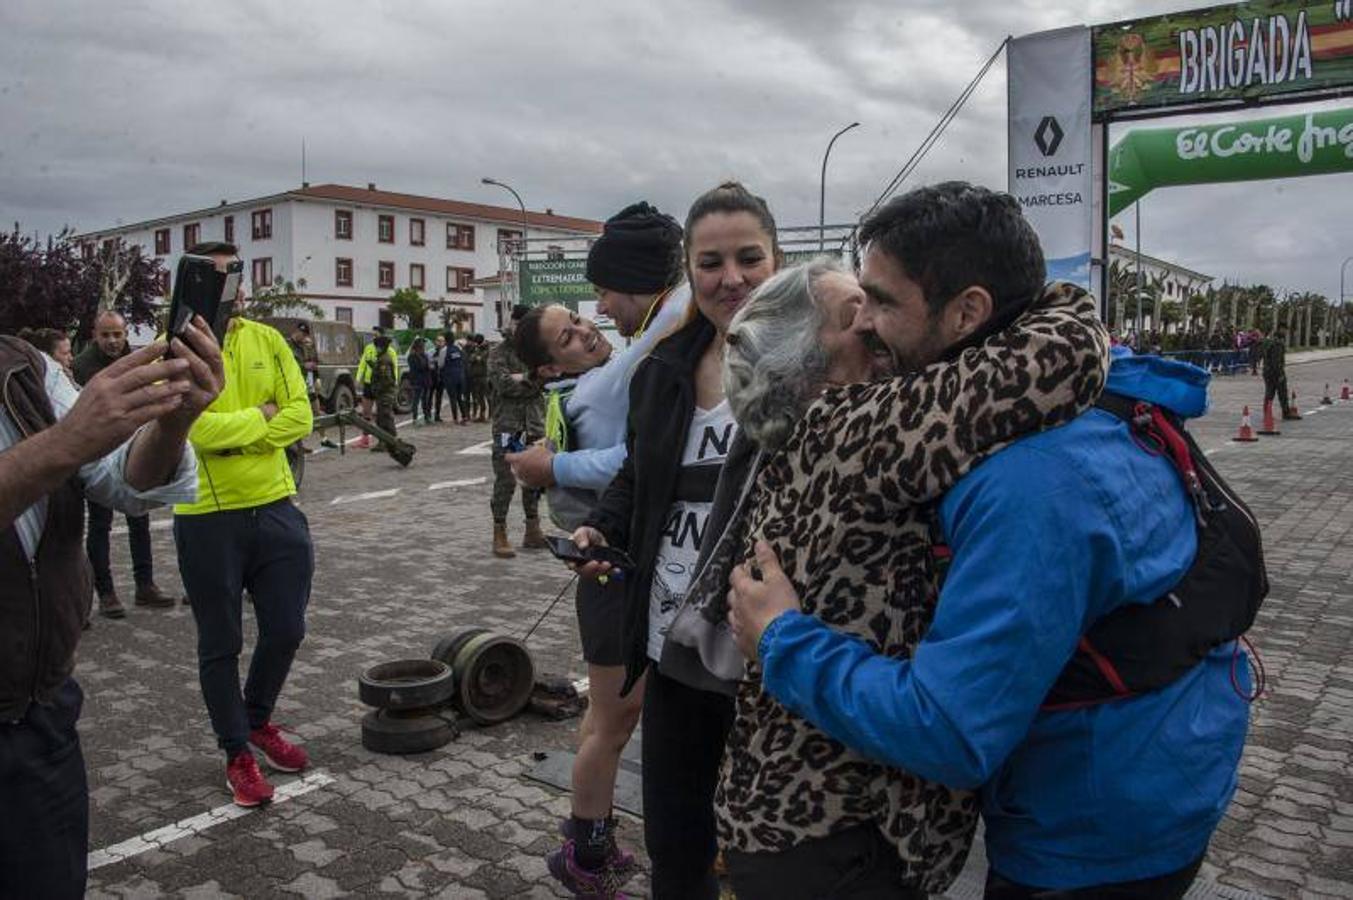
636,268
680,428
420,371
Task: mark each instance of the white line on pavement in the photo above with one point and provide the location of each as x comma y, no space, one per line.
154,840
484,449
462,482
369,495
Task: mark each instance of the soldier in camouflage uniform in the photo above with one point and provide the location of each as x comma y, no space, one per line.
380,369
518,409
477,374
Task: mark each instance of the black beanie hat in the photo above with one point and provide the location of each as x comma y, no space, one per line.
639,251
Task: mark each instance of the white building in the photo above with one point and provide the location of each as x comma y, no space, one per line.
1179,282
353,247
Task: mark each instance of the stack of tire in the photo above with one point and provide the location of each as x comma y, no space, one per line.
487,677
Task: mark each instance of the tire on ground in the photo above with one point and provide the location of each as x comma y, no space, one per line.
406,684
451,642
384,731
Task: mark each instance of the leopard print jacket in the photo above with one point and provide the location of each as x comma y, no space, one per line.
845,504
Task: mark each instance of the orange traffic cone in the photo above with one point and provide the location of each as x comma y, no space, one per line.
1345,394
1246,434
1270,426
1292,412
1327,400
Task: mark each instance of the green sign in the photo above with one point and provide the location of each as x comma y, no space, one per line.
1287,147
1238,51
555,281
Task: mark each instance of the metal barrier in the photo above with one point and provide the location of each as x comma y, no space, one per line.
1220,362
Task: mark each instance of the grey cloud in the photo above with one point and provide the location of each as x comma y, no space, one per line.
128,111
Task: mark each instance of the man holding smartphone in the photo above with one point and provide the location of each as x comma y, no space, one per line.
245,533
120,442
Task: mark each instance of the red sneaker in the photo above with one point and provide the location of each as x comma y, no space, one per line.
246,782
281,754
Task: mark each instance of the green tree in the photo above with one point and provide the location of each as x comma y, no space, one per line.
409,305
281,298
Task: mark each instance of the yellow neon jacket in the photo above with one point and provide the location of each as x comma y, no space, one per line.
241,458
366,369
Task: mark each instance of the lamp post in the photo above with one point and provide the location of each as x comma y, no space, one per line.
504,312
1342,267
822,193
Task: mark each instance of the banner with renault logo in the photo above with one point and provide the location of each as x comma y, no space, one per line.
1050,144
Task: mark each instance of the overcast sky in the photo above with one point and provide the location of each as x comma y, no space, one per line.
119,112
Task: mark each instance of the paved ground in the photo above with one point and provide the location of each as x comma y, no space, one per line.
397,569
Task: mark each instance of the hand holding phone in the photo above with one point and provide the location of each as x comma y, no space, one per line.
565,549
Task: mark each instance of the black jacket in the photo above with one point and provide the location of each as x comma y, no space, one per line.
92,360
632,510
44,602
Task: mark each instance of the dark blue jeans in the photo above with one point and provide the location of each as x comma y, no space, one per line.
96,545
44,801
266,551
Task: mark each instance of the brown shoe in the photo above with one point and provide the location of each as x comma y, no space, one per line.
502,547
110,607
534,538
150,595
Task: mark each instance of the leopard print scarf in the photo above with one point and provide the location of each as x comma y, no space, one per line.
846,506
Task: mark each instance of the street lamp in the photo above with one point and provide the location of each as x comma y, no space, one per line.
1342,267
822,193
504,312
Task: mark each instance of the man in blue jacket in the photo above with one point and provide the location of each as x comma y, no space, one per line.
1114,799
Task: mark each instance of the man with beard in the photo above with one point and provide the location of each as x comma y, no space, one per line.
1118,796
108,346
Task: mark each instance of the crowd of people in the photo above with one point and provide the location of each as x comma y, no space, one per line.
845,535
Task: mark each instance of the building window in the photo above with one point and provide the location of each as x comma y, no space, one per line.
508,239
230,229
458,280
343,272
161,242
343,224
459,237
554,253
262,271
386,272
416,232
262,220
162,282
87,249
385,229
343,314
192,236
416,276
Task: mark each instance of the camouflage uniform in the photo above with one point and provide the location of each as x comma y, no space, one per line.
477,373
518,407
385,387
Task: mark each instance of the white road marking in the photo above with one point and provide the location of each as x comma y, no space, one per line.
462,482
157,525
369,495
484,449
154,840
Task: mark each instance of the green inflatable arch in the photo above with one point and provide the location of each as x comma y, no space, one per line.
1288,147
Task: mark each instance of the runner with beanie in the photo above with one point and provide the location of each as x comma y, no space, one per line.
637,270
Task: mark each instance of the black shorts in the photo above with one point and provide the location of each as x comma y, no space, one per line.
601,611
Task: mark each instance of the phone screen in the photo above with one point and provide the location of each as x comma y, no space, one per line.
565,549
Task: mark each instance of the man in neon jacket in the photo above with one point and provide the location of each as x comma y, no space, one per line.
1047,536
245,533
379,356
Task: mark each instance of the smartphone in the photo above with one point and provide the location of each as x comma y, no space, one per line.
566,550
511,442
200,289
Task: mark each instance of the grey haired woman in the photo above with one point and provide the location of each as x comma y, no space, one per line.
841,497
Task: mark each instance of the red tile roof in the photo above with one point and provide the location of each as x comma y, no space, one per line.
343,193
